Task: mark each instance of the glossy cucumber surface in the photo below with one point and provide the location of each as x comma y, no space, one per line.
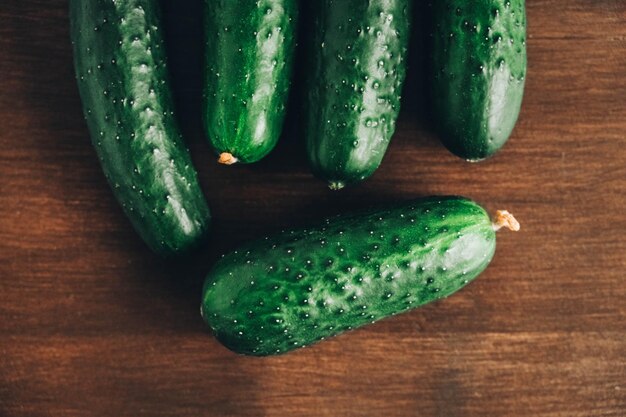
291,290
357,68
479,70
249,47
123,81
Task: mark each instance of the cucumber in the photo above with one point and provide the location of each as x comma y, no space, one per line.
357,69
120,66
478,73
288,291
248,64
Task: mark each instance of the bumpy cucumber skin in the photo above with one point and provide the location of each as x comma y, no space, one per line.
121,71
288,291
357,69
248,65
479,69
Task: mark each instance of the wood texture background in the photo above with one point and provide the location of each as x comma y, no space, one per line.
93,324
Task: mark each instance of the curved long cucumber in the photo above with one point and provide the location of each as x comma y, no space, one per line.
288,291
479,69
248,64
358,64
121,71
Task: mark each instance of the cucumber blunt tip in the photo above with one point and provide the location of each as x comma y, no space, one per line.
336,185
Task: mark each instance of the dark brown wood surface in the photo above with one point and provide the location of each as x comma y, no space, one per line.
93,324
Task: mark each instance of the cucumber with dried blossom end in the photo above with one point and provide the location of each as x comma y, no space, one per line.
249,55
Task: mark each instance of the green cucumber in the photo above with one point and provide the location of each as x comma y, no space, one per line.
291,290
120,66
479,69
358,64
248,64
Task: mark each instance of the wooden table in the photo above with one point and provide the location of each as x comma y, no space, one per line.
93,324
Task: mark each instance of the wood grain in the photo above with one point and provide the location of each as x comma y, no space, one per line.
93,324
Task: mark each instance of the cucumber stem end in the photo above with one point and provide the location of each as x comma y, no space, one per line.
505,219
227,159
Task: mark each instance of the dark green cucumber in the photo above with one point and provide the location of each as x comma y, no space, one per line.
358,64
121,70
248,65
479,69
299,287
